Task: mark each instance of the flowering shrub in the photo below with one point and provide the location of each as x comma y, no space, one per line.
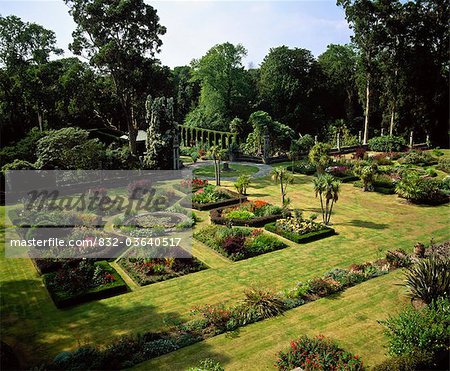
359,154
251,210
317,353
323,286
150,270
340,170
214,315
139,188
208,194
297,224
193,184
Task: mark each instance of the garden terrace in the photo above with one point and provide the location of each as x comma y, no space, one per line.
368,224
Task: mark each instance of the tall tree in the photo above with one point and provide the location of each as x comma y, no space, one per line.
121,38
339,63
161,133
25,43
363,19
225,85
288,81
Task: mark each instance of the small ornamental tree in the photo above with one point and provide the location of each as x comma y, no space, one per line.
318,156
160,133
327,188
217,154
281,176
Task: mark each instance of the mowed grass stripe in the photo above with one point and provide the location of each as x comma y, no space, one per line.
366,232
254,347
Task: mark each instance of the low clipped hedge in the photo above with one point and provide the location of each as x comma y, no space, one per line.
301,238
64,300
348,178
217,218
236,199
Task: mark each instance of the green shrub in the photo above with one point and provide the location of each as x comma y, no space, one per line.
317,353
418,189
420,158
414,330
444,165
207,364
386,143
69,148
429,279
24,149
318,156
242,183
420,360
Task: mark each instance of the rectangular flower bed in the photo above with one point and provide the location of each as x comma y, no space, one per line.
211,197
145,271
299,230
238,243
71,285
247,214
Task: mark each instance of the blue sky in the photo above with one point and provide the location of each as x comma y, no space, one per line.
195,26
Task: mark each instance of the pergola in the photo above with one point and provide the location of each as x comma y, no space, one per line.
193,135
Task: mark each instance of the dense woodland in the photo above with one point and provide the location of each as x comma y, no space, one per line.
393,75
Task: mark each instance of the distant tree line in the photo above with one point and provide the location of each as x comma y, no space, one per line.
394,75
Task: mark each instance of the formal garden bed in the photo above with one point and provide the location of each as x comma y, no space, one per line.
248,214
83,281
212,197
238,243
300,230
147,270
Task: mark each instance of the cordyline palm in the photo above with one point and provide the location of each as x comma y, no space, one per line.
217,153
327,188
281,175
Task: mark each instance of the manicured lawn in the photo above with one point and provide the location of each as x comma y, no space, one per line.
368,224
208,170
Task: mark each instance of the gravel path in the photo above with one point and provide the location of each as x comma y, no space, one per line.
263,169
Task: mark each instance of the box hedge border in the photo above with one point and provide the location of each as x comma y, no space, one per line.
301,238
217,218
236,199
96,293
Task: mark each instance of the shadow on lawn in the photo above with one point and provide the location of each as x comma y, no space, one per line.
365,224
38,331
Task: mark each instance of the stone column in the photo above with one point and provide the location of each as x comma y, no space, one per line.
338,142
266,147
315,139
411,139
427,141
359,137
382,132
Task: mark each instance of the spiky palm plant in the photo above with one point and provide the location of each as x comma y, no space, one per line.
281,176
266,304
429,279
327,188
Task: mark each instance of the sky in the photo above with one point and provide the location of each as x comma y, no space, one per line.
193,27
